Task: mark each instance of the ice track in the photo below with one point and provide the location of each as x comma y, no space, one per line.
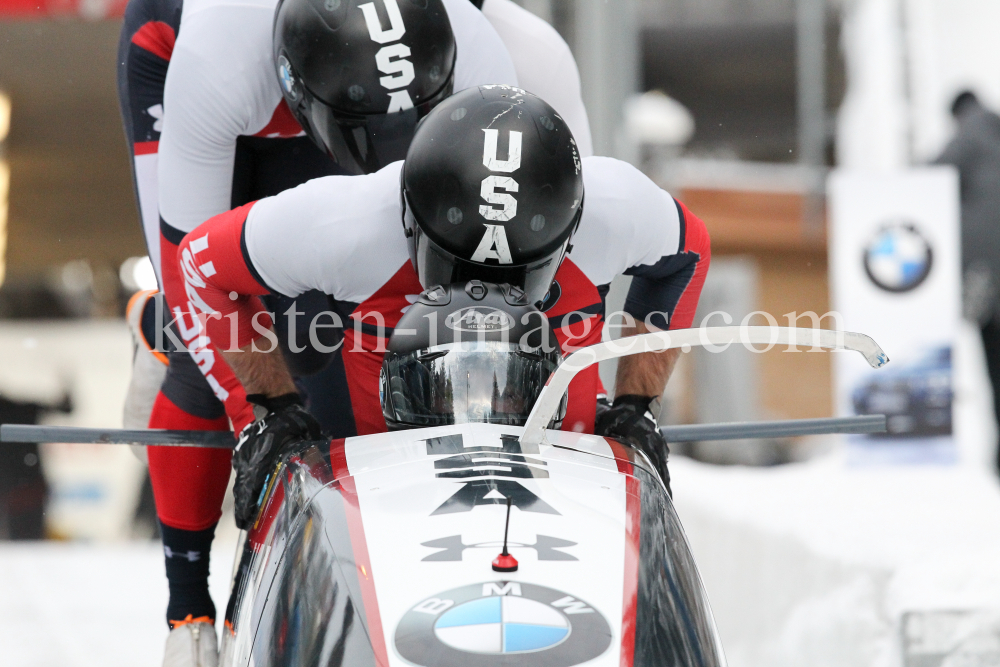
90,605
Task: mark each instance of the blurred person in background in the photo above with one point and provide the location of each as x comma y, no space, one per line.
223,105
23,491
975,151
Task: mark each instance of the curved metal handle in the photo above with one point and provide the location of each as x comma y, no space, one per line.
659,341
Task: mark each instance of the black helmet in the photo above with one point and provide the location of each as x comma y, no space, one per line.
492,190
466,353
359,74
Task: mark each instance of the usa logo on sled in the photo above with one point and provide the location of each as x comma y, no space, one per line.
494,624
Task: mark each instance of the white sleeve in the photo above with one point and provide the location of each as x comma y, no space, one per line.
627,221
544,63
338,234
216,90
144,168
481,57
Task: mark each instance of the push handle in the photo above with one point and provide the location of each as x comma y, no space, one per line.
659,341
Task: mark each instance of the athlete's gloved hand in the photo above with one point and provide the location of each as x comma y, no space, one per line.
626,420
284,423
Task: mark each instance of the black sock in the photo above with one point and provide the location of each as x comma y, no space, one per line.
186,554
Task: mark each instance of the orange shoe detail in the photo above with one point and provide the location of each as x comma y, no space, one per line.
138,301
201,619
141,295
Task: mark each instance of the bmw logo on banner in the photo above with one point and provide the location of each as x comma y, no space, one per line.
898,258
501,624
895,275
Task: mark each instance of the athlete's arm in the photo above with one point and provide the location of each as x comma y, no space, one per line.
261,372
197,146
665,292
643,374
217,300
631,226
220,85
338,234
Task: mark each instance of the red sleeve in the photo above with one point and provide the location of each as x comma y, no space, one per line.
696,242
200,277
218,285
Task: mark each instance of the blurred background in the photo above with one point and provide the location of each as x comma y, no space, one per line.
743,109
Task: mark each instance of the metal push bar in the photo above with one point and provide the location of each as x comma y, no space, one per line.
788,428
224,439
117,436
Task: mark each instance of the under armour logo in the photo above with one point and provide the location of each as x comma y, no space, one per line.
452,547
190,556
156,111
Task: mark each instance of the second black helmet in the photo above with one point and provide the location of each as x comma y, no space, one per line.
492,190
358,75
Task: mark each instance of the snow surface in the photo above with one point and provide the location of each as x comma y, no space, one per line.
90,605
817,563
810,563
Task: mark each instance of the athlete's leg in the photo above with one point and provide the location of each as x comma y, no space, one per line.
189,485
328,399
149,365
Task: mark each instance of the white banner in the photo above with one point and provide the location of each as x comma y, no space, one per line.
895,275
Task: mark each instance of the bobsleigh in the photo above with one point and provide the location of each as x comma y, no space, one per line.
380,550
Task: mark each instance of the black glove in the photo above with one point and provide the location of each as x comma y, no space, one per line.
262,444
626,420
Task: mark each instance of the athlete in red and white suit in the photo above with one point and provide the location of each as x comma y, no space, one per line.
209,130
229,139
342,236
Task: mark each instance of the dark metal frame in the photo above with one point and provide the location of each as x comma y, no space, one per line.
788,428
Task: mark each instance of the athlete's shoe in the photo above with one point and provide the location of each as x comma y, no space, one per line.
227,645
192,643
149,367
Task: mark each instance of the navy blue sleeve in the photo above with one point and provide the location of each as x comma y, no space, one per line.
665,294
